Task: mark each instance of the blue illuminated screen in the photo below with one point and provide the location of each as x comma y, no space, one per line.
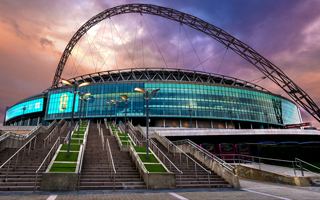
62,103
31,106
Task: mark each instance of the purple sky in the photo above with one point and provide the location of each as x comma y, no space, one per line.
34,33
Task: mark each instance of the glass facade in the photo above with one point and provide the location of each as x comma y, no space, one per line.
27,107
175,100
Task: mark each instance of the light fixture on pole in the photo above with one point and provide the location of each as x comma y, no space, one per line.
125,98
147,96
84,97
115,103
75,87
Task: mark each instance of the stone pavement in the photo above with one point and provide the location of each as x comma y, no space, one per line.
251,190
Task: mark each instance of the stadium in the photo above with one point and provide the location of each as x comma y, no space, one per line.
185,97
80,124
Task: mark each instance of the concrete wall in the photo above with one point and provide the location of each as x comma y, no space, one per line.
256,174
166,180
59,181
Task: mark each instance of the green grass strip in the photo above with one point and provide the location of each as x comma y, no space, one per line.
76,141
64,156
152,158
155,168
73,147
61,169
140,149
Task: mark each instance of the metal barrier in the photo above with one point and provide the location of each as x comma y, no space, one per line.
20,153
296,165
82,152
131,133
206,154
164,159
111,163
47,160
176,150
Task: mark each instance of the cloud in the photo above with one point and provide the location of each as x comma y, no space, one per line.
34,34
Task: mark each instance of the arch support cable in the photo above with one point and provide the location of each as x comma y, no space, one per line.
266,67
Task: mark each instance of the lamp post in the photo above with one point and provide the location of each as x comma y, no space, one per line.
147,96
125,98
24,108
115,103
83,97
190,113
75,87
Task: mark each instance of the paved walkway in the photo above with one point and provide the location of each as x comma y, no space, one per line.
278,169
251,190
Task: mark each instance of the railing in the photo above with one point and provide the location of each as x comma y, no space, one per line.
70,132
131,133
51,124
111,163
100,131
82,153
23,137
300,164
28,145
4,136
164,159
206,154
47,160
142,169
176,150
49,137
263,162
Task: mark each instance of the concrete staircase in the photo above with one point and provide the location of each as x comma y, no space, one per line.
20,174
191,178
97,172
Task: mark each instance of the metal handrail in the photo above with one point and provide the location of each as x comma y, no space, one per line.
144,169
153,144
70,132
54,146
49,136
181,151
112,167
18,151
4,136
51,124
102,137
242,158
132,135
82,152
298,160
223,163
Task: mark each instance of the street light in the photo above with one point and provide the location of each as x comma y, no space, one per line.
115,103
190,112
147,96
124,99
83,97
75,87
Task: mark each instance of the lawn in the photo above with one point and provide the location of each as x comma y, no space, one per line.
152,158
63,156
73,147
63,167
155,168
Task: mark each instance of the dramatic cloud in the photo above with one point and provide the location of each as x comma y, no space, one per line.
34,33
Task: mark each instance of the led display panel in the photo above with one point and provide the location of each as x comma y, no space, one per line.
62,103
31,106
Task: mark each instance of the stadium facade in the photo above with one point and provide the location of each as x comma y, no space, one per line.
186,99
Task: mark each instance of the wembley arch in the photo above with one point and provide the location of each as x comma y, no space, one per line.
265,66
